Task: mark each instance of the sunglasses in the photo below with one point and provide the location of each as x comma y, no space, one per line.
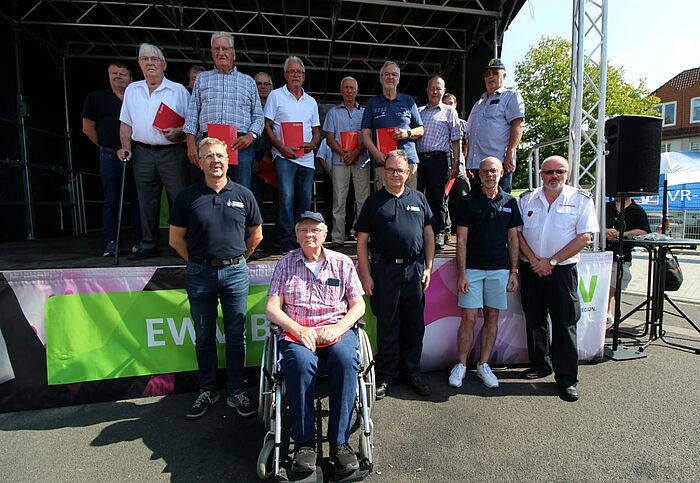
550,172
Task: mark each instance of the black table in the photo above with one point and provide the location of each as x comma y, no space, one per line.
656,293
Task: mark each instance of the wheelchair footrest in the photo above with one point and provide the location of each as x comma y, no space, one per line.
315,476
357,475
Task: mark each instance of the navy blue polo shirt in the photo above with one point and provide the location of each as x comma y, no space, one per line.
216,222
103,108
401,112
488,221
395,223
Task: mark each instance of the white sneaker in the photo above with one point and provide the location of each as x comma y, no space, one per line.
485,374
609,321
457,375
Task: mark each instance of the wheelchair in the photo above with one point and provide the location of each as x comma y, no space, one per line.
272,411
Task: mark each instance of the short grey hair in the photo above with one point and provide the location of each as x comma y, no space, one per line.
387,64
222,35
348,78
293,59
397,153
147,48
208,141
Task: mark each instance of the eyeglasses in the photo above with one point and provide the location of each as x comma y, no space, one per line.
313,231
222,49
390,74
550,172
395,171
152,59
295,72
215,156
263,83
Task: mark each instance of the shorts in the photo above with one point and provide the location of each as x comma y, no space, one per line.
626,275
486,288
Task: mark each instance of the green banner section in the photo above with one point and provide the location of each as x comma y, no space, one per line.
100,336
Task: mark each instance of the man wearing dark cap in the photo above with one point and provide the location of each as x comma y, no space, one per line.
208,226
315,297
495,126
395,249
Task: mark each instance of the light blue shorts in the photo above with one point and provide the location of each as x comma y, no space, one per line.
486,288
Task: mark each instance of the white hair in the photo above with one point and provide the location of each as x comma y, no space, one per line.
148,48
293,59
222,35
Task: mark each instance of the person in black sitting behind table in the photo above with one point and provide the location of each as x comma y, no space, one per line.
636,223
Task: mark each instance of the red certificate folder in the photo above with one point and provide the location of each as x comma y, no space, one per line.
385,140
449,185
349,140
167,118
227,134
293,135
267,171
289,337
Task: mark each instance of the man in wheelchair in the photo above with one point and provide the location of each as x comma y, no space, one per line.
315,297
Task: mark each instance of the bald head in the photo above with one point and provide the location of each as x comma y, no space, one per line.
554,173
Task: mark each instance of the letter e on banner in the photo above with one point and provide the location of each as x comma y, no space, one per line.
151,332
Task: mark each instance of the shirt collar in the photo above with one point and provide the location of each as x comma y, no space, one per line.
289,93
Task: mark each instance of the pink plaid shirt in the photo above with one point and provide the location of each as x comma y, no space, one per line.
311,300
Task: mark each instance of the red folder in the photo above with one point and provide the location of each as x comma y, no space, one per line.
293,135
449,185
349,140
267,171
227,134
385,140
167,118
289,337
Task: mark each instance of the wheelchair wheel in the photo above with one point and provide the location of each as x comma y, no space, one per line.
366,355
265,396
367,445
266,463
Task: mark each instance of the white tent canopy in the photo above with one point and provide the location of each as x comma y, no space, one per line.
681,167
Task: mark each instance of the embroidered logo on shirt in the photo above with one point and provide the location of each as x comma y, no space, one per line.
505,209
529,213
412,208
563,205
234,204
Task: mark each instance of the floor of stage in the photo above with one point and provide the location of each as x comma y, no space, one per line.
85,251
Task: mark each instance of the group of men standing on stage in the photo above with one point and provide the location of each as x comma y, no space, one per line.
215,223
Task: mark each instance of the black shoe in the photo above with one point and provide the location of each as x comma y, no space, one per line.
142,254
304,458
202,403
418,385
569,394
381,390
243,404
439,241
535,373
344,459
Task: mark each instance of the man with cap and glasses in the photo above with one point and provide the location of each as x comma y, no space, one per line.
495,125
215,225
315,297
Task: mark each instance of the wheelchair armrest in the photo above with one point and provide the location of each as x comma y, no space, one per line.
360,324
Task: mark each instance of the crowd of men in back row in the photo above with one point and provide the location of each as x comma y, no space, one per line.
315,293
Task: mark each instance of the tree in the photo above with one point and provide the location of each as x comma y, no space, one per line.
543,79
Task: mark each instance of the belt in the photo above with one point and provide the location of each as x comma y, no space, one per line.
239,134
429,154
154,146
111,150
217,262
379,258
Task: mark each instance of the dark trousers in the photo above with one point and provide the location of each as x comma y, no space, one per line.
111,174
398,302
433,173
155,167
506,182
556,295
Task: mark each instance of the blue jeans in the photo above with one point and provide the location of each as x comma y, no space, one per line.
241,172
296,184
111,174
301,366
205,287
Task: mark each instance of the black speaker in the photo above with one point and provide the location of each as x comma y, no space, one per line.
634,155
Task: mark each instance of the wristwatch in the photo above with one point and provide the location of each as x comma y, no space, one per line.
408,131
255,136
553,262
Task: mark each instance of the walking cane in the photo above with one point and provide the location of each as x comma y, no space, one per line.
127,156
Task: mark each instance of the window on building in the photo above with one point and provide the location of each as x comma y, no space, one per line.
667,111
695,109
695,147
665,147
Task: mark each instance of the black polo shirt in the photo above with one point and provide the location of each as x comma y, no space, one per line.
488,221
216,222
103,108
635,219
395,223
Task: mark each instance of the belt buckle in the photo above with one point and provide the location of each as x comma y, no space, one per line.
400,261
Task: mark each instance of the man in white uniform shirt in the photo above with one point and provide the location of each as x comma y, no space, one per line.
159,157
558,222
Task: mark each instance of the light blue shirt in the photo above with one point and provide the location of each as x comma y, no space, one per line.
340,119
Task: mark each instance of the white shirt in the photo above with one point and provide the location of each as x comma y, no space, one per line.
140,107
283,106
549,228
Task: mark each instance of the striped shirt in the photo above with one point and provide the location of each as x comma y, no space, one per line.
230,99
312,300
441,125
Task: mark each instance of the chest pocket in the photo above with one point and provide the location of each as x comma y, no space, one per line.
566,217
531,217
494,110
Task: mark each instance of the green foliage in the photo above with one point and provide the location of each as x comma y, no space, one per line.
543,78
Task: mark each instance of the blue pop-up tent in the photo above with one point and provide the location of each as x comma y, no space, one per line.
681,170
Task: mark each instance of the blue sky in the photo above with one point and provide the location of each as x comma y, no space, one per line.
651,39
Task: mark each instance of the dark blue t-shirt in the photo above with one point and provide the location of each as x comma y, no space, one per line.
216,222
401,112
103,108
